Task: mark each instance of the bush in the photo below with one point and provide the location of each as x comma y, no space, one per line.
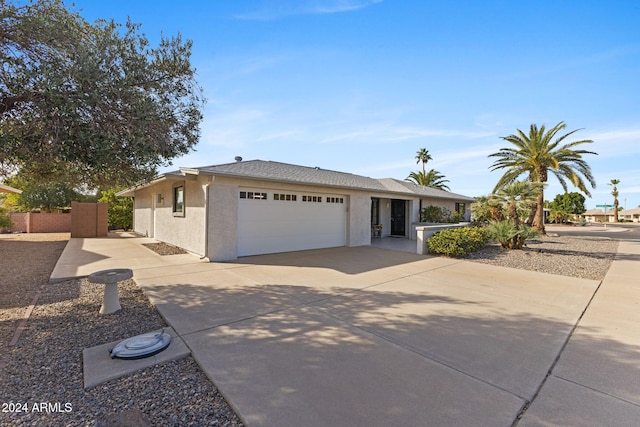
5,220
120,210
439,215
458,242
508,235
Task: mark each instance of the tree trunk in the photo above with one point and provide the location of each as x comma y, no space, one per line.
539,221
532,215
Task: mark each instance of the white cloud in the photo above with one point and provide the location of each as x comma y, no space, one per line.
623,143
280,135
278,9
384,133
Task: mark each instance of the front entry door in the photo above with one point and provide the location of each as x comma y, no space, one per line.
398,217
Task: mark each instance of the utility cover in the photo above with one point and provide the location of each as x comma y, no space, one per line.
141,346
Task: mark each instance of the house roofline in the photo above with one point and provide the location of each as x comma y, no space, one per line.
183,172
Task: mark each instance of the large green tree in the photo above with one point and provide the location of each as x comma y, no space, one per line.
433,179
46,194
539,152
94,97
571,203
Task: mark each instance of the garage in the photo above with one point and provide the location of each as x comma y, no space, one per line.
271,221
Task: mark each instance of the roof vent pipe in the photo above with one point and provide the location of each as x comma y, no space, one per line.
238,159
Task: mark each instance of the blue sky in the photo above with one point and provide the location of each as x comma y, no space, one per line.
360,85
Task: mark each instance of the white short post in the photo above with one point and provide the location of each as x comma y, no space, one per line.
111,300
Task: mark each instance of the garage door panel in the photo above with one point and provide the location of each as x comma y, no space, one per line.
269,226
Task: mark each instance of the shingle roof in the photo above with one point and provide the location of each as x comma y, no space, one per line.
634,211
284,172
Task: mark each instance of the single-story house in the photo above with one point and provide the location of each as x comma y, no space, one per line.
631,215
226,211
598,215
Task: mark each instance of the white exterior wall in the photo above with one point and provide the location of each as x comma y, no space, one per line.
359,219
142,212
223,213
210,224
187,232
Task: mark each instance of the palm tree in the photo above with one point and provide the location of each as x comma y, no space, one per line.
615,195
423,156
517,196
486,209
538,153
433,179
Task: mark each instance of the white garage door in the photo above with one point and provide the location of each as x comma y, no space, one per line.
270,222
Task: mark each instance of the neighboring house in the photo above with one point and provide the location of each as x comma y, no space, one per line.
631,215
594,215
598,215
256,207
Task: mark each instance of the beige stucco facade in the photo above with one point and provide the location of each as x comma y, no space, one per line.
209,224
154,217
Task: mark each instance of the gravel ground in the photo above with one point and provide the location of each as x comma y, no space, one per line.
162,248
587,258
45,366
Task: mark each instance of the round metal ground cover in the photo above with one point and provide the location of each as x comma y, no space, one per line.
141,346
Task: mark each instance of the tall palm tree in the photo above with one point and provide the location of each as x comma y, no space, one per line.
433,179
615,195
423,156
538,153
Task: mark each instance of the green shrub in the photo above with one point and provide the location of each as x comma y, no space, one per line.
458,242
5,220
439,215
120,210
508,235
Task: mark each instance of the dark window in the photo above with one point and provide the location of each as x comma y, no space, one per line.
178,200
285,197
253,195
375,211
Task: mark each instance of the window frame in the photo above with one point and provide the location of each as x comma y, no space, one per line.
177,191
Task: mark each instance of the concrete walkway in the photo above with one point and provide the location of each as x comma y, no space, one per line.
371,337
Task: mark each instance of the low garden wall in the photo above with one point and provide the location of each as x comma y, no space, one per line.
40,222
424,231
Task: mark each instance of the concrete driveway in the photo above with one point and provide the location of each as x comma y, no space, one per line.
367,336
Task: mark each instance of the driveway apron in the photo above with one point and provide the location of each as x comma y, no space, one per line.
371,337
366,336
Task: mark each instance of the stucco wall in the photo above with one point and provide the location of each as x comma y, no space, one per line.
186,231
142,212
223,221
213,232
359,219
